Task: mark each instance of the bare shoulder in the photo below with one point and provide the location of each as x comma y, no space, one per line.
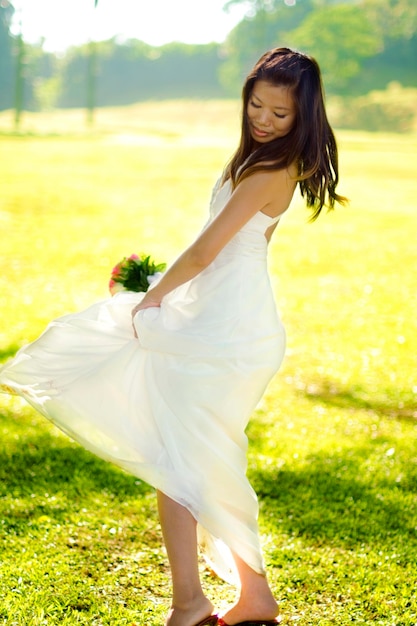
271,179
274,189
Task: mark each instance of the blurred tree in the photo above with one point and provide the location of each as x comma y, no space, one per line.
19,80
91,78
43,80
268,23
340,36
6,55
360,44
133,71
393,18
396,22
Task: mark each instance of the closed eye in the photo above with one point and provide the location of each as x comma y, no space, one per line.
258,106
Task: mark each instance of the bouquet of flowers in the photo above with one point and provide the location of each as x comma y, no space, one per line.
134,273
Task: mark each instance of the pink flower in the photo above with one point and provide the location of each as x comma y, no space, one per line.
133,257
116,270
115,287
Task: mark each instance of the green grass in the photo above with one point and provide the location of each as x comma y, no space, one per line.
333,450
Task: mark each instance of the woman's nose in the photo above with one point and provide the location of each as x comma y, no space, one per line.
264,118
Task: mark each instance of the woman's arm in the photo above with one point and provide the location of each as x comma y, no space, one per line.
270,192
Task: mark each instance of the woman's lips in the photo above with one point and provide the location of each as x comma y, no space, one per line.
259,133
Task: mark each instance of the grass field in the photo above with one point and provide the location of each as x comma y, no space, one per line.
333,451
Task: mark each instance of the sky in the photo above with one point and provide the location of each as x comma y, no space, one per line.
63,23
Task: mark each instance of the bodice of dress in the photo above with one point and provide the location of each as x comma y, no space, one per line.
251,237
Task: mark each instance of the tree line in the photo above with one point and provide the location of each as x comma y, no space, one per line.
361,45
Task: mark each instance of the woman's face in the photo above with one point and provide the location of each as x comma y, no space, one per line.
271,111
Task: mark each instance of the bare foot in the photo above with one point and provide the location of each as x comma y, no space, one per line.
257,609
189,615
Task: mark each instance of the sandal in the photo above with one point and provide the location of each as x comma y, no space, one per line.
251,622
211,620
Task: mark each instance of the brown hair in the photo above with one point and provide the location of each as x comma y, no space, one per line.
310,143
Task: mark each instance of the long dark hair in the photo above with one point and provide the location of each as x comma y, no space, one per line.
310,144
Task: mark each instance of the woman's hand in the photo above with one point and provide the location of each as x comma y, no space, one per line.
146,303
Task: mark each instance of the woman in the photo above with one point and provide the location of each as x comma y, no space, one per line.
170,400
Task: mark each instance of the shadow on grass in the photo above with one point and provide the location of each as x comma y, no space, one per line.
55,478
395,403
35,463
328,501
8,352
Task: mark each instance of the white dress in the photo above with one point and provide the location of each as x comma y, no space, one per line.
171,406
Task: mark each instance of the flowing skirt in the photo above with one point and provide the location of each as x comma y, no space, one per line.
170,406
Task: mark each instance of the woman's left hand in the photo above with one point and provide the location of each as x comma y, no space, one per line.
146,303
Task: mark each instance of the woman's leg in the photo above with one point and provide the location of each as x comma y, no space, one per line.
179,529
255,600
